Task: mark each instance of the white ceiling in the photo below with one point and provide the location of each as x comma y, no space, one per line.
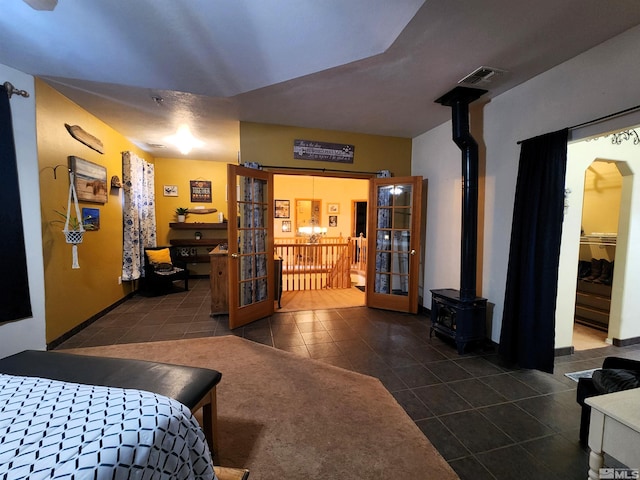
368,66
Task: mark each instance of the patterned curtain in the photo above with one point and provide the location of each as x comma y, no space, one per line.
382,282
138,215
252,244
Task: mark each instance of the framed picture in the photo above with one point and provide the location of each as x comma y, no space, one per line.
90,180
91,218
286,225
283,209
333,208
200,191
170,190
333,220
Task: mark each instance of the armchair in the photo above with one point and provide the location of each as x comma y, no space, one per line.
162,266
616,374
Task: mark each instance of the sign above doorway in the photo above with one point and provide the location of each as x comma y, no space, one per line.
323,151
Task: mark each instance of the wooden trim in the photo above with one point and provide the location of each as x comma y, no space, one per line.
66,336
561,352
317,172
624,342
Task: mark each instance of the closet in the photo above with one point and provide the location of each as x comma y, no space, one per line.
600,214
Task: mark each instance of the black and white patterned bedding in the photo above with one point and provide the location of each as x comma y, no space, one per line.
59,430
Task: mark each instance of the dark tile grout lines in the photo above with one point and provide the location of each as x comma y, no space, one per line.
488,421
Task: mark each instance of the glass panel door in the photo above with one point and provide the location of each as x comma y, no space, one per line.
396,222
250,245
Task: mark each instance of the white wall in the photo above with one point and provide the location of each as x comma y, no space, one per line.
440,162
601,81
28,333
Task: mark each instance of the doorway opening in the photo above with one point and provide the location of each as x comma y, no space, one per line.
307,237
596,264
623,327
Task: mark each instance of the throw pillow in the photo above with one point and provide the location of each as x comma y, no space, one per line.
163,267
161,255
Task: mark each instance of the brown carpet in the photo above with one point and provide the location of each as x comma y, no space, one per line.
287,417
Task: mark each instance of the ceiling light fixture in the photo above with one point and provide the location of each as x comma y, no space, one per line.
184,140
42,4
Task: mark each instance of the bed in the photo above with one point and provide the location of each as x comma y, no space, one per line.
56,429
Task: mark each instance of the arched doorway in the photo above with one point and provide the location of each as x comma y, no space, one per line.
624,325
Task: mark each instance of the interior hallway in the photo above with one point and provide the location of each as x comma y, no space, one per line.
321,299
489,421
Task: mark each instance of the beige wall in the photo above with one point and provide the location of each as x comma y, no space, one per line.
75,295
273,145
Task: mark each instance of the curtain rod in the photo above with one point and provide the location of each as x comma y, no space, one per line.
318,170
11,90
600,119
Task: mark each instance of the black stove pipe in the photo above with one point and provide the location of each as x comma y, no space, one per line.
458,99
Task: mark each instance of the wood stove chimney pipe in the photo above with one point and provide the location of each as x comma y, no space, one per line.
459,99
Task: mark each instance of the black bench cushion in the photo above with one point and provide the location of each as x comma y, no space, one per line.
610,380
188,385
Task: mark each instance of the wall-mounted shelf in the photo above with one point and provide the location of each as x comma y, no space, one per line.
198,226
192,242
193,250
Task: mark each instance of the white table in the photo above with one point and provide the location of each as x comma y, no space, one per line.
614,429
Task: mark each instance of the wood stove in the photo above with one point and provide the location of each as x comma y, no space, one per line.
463,321
459,314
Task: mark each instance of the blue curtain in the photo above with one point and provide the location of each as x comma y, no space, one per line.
14,282
528,322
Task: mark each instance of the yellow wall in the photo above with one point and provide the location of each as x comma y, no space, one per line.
179,171
273,145
341,191
75,295
601,206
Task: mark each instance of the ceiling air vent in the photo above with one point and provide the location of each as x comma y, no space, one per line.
481,75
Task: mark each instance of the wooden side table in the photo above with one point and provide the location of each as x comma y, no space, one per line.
614,429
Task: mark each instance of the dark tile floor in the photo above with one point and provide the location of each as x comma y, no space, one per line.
488,421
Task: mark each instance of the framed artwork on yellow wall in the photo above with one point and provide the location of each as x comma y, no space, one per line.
333,208
90,180
283,209
170,190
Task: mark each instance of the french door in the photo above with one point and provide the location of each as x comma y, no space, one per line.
250,262
394,243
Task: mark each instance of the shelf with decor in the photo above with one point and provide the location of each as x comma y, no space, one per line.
196,250
198,226
202,242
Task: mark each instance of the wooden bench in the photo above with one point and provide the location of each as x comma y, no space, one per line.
194,387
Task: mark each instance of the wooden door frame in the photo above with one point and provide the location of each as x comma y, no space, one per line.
399,303
239,316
